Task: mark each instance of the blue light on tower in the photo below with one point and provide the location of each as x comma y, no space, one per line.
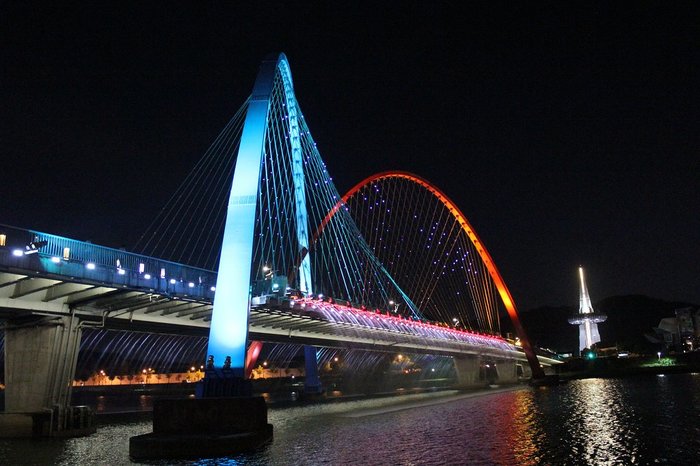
228,333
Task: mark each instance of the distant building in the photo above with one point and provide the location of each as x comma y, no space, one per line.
586,319
679,333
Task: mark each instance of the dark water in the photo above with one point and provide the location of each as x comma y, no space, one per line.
638,420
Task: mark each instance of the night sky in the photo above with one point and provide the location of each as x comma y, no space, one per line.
567,133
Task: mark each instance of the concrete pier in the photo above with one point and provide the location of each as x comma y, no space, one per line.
474,371
467,368
507,371
312,384
40,357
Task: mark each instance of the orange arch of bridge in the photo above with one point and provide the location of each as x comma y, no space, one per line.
503,290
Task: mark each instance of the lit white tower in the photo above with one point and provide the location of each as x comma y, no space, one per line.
586,319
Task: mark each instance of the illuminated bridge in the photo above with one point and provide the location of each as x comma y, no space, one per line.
122,290
393,265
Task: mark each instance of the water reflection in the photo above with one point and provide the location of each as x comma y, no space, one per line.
599,422
100,407
145,402
523,432
640,420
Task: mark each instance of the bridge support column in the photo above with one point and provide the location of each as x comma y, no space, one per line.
40,358
507,371
467,368
524,369
312,385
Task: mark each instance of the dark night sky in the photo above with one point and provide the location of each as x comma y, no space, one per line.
567,133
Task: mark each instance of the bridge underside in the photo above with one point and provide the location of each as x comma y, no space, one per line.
23,293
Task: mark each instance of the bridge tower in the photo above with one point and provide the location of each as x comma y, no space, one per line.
586,319
228,334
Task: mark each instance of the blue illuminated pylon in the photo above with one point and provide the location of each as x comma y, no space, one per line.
228,333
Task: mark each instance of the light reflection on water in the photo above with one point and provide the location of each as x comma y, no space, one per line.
639,420
601,417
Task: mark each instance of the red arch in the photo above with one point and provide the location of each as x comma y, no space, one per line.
503,290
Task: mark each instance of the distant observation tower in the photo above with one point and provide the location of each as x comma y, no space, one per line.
586,319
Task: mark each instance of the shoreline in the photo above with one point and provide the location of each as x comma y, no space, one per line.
608,370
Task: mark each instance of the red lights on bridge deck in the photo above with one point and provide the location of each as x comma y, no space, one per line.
329,304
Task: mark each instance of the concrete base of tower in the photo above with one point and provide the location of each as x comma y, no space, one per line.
203,428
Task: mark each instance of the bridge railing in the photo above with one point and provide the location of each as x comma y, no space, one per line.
76,260
375,320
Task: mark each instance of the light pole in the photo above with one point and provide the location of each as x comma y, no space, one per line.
267,271
147,374
396,305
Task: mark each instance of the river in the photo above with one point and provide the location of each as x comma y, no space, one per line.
635,420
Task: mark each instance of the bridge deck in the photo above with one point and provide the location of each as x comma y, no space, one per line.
126,290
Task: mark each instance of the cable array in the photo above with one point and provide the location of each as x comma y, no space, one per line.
342,264
392,246
189,227
426,250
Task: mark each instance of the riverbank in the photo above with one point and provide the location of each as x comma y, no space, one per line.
688,363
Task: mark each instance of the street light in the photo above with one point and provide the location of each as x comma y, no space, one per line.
147,374
396,305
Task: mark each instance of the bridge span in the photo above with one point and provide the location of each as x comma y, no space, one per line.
48,275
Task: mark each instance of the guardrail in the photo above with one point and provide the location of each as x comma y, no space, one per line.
73,260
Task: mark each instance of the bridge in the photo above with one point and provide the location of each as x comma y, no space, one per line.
393,265
122,290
